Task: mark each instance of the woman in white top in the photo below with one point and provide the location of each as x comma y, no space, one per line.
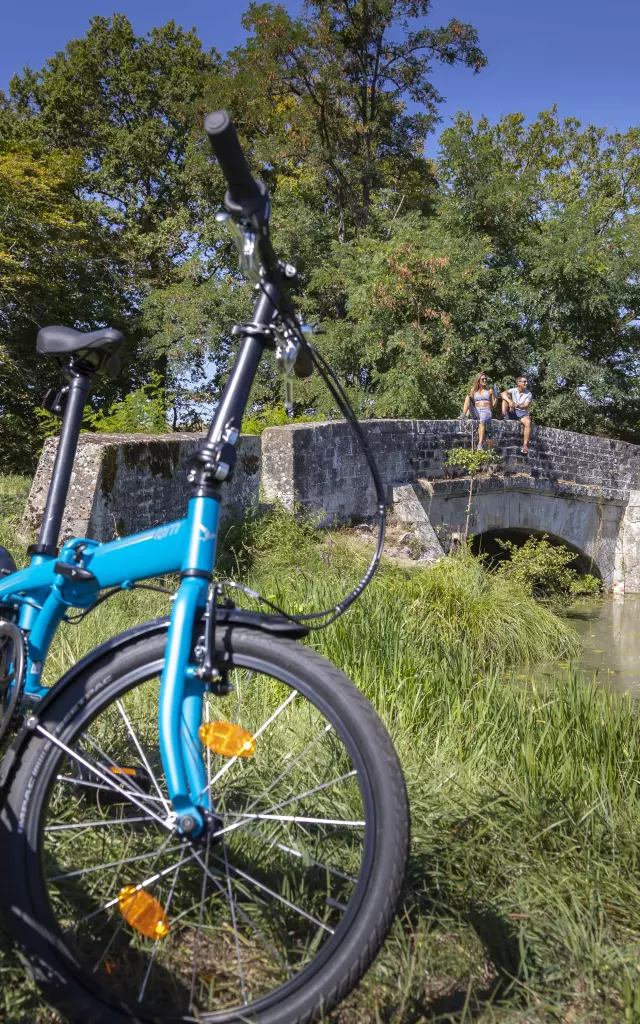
478,404
516,403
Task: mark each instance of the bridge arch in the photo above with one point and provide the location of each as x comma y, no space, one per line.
524,506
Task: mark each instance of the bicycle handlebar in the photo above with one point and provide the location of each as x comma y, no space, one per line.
246,196
228,152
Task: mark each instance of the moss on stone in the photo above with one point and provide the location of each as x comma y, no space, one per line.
108,468
160,457
251,463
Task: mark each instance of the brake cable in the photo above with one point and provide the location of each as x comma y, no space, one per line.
338,394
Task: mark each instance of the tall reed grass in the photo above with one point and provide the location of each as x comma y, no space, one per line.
523,902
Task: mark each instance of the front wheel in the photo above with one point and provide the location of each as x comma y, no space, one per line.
275,914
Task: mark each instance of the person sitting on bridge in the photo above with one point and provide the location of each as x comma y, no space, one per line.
516,403
478,404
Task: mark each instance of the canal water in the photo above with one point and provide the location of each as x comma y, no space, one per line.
610,634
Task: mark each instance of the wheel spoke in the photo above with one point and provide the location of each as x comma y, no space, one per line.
277,896
142,754
151,880
167,905
111,864
113,765
310,792
121,922
94,824
286,771
301,856
102,775
96,785
245,917
291,818
269,721
232,903
194,973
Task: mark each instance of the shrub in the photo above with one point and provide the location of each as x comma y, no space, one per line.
542,569
275,416
143,411
471,460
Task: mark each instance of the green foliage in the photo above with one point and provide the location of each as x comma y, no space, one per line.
471,460
517,251
275,416
120,104
143,411
557,207
332,89
542,569
527,261
100,191
58,263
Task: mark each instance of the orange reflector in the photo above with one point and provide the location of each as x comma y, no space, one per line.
227,739
143,913
121,771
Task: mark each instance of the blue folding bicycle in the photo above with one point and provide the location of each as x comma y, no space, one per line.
202,820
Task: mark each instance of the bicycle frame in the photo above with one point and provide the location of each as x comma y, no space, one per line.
50,585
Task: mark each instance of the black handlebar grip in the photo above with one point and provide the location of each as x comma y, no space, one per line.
303,365
228,152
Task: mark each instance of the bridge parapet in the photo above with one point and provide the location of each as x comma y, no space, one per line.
321,465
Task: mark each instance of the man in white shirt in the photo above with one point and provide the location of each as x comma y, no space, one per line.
515,406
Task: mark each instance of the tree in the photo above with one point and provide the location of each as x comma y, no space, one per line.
557,206
125,112
392,310
57,264
129,106
320,105
332,88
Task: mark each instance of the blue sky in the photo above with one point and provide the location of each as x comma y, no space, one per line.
580,54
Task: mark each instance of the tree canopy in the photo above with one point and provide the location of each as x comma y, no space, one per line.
516,250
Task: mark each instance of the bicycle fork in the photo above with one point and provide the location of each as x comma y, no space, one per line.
181,689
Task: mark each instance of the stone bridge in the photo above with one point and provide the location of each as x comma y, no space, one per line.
583,491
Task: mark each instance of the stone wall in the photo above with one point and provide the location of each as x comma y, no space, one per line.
584,490
124,483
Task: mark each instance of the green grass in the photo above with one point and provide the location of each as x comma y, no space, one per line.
523,901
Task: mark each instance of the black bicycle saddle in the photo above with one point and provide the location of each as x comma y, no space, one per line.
65,340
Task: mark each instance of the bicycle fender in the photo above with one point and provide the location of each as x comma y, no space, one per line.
276,625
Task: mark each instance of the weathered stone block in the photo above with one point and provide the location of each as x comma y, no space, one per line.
124,483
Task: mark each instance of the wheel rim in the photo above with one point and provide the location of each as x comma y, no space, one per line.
254,910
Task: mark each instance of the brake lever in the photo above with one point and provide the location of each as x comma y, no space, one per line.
287,349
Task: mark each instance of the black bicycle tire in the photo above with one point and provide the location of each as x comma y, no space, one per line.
25,902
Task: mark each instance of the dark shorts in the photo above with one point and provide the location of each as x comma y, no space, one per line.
517,414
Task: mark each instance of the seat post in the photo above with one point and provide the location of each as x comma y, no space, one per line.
56,500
